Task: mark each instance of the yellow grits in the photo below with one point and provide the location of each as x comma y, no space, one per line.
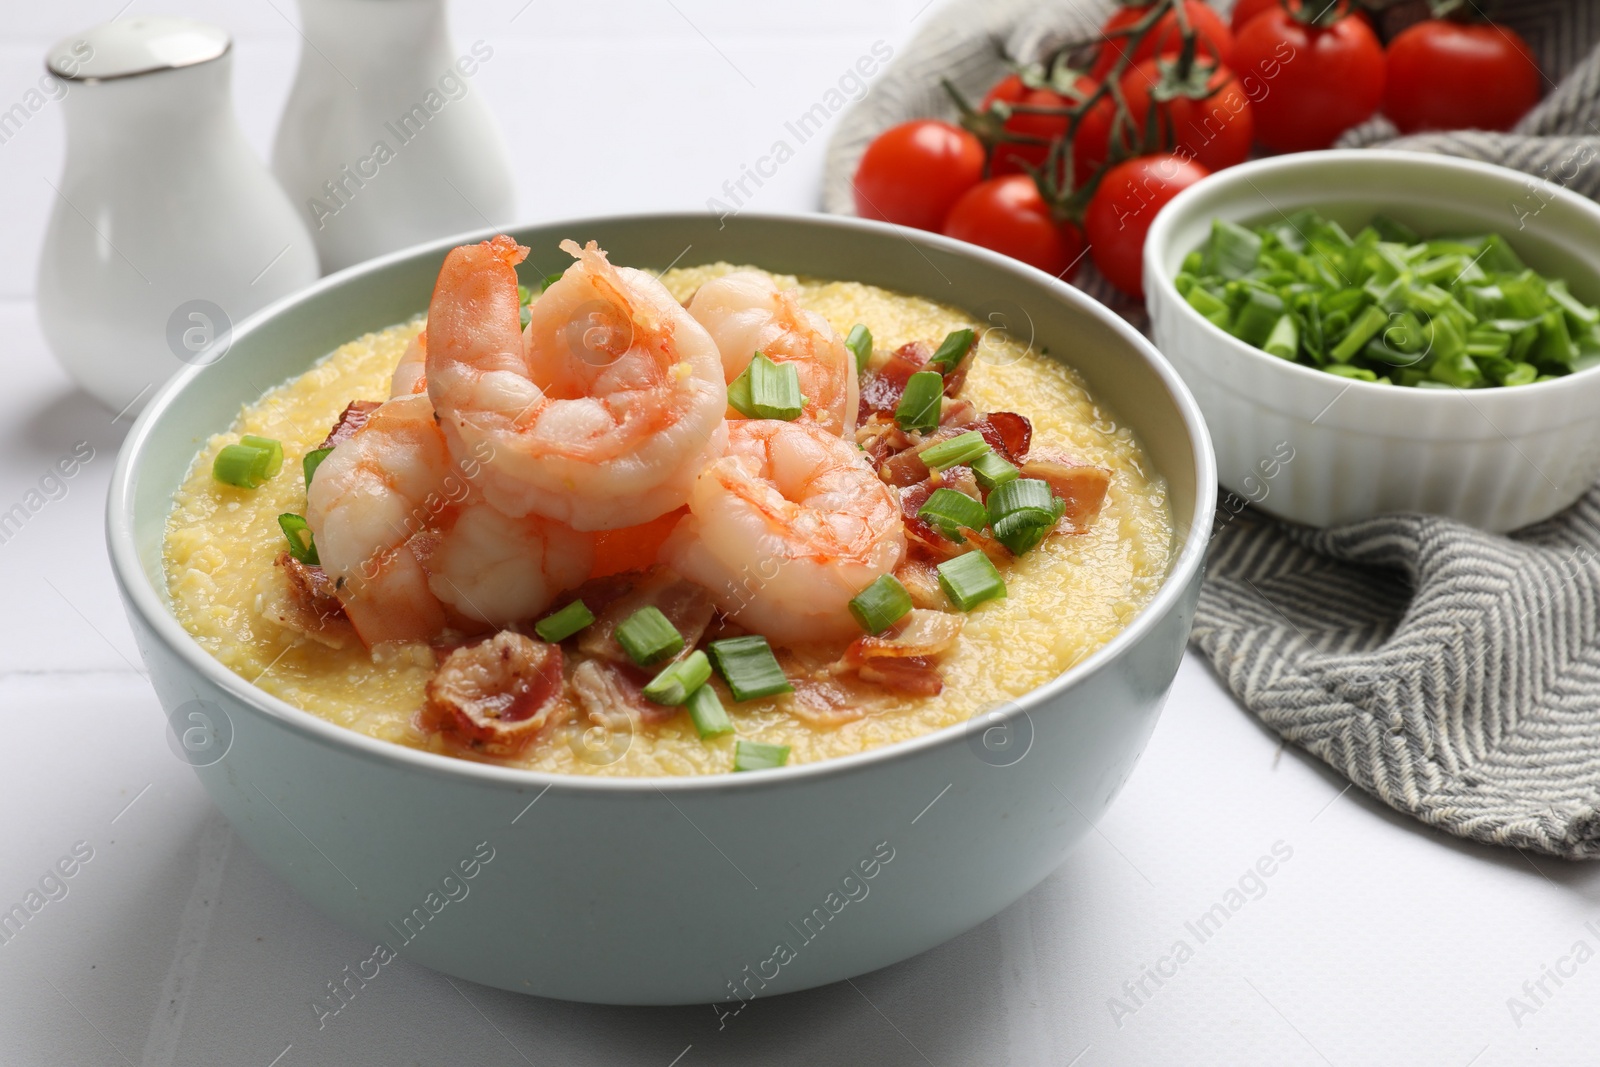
1064,599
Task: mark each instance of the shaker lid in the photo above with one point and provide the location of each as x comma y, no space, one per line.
139,44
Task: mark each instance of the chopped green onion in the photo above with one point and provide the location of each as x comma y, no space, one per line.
952,350
992,470
677,680
948,511
881,604
969,580
749,667
1022,494
560,625
549,280
710,718
860,343
1233,249
767,390
302,546
524,295
1362,330
273,463
647,636
1021,531
919,404
1453,312
962,448
241,465
757,756
312,461
1022,512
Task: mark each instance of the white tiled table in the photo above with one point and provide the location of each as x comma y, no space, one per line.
1375,942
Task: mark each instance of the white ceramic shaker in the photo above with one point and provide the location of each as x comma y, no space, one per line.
167,228
386,140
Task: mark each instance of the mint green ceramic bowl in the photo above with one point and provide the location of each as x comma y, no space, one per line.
661,891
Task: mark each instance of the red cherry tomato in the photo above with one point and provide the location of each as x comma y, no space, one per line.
1245,10
913,172
1008,215
1216,131
1214,38
1315,82
1446,75
1121,210
1009,157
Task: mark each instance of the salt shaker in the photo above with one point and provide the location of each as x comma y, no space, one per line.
386,140
167,228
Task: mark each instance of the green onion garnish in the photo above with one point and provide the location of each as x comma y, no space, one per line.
710,718
647,636
969,580
749,667
312,461
962,448
757,756
560,625
248,466
1388,305
992,470
767,390
302,546
948,511
860,342
677,680
952,350
524,295
1019,495
881,604
919,404
549,280
1022,531
274,454
1021,512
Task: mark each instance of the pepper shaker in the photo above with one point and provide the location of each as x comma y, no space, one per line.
385,141
166,228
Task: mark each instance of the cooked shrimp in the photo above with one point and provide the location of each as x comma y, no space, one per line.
745,312
411,373
601,415
410,549
786,528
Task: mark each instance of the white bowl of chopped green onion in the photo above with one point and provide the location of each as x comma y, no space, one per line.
1374,331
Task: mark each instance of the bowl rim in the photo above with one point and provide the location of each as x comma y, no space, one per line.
1159,237
1191,535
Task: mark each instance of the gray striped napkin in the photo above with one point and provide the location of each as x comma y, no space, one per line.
1451,673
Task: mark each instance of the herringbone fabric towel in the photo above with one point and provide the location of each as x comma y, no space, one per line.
1453,674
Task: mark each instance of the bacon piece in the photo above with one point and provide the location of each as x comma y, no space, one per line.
612,696
824,702
925,542
961,479
922,634
922,583
1004,431
496,695
958,412
902,659
883,386
352,418
1007,432
306,603
1081,486
914,677
686,605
